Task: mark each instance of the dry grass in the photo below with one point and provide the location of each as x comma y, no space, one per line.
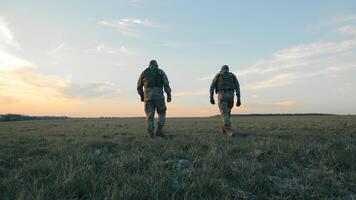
297,157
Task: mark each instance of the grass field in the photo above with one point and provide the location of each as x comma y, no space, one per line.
310,157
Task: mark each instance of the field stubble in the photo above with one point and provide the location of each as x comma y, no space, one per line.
311,157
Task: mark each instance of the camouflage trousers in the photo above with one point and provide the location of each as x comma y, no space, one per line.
226,103
151,106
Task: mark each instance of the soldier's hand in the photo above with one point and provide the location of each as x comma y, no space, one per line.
142,98
238,103
169,98
212,101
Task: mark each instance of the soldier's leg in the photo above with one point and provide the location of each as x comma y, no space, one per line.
224,111
150,115
161,111
230,105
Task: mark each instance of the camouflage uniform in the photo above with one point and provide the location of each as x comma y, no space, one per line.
154,80
225,84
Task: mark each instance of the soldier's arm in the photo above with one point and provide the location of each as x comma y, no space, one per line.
140,85
166,86
237,87
212,86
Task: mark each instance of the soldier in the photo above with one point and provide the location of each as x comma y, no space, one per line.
225,84
153,80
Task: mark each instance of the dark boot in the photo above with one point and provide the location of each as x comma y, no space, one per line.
151,133
159,131
230,133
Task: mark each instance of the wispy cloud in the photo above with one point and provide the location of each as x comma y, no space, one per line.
348,30
301,56
206,78
94,89
286,103
56,49
345,18
114,51
57,53
9,61
26,83
127,27
276,81
6,36
301,62
20,80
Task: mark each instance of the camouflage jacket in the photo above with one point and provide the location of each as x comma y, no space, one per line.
214,84
152,93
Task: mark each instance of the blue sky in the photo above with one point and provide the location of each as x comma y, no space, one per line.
83,58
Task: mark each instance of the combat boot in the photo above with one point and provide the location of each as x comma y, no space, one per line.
159,132
151,133
231,133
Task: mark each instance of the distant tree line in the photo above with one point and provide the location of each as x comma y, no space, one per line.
285,114
18,117
277,114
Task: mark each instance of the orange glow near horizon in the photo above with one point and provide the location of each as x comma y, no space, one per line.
23,91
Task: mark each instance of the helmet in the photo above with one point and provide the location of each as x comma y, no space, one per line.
153,63
225,68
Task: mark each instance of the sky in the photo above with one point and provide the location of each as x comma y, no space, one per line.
83,58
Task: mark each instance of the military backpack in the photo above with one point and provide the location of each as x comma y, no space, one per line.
153,77
225,81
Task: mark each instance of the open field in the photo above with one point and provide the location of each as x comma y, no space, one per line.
310,157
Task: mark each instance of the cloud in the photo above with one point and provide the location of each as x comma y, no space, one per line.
90,90
57,53
25,82
206,78
304,61
301,56
345,18
56,49
314,49
24,90
6,36
276,81
306,58
19,80
9,61
127,27
348,30
114,51
300,64
7,40
286,103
